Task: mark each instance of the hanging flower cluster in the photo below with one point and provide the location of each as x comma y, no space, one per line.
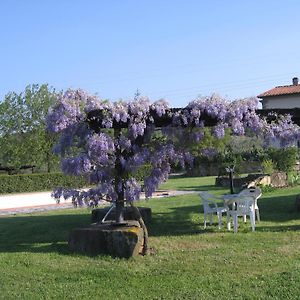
281,130
96,153
103,156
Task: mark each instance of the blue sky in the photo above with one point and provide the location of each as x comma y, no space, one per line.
165,48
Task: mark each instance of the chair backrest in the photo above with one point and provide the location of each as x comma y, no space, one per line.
257,192
254,192
207,201
245,205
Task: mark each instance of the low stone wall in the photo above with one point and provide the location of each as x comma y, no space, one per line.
278,179
213,169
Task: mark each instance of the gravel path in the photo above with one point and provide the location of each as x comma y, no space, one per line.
46,206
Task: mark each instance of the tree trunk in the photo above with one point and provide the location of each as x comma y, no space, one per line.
119,182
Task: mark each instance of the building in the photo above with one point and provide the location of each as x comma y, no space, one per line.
282,97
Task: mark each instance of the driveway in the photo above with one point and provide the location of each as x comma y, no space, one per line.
41,201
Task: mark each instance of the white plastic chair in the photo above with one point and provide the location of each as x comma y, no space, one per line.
244,206
211,207
254,192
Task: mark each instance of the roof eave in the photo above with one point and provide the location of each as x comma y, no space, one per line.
287,94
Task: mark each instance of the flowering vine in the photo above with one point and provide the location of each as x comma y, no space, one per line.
110,142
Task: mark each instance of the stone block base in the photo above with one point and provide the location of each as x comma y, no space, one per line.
119,241
99,213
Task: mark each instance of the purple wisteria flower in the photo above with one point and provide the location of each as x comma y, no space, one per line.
110,158
77,166
209,152
132,190
100,148
219,130
160,107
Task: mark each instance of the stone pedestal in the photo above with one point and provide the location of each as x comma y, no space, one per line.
99,213
119,241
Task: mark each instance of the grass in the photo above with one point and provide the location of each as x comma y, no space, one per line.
190,183
189,263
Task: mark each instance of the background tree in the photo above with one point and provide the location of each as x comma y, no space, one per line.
23,139
284,159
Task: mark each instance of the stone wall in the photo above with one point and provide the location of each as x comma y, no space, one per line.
213,169
278,179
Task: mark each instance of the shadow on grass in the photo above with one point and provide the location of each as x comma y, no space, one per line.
177,221
278,209
49,233
199,188
279,228
41,233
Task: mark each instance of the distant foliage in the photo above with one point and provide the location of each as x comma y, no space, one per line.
23,139
268,166
284,159
38,182
267,188
294,179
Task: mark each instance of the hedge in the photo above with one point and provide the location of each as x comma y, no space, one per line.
142,172
38,182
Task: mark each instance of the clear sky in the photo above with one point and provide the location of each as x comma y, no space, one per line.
173,49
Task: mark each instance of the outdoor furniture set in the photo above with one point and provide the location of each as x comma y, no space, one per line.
242,204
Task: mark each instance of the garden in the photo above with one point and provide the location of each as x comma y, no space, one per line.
119,151
186,261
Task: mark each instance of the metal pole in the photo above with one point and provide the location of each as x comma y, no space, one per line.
230,170
231,181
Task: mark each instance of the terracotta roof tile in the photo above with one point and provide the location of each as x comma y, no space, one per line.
281,90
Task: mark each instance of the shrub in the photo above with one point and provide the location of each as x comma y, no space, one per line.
267,188
284,159
142,172
38,182
294,179
268,166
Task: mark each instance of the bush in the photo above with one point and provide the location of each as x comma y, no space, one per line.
38,182
143,172
294,179
268,166
267,188
284,159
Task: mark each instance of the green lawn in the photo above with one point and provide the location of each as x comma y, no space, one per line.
189,262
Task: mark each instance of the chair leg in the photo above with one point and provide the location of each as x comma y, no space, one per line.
235,223
219,219
210,219
204,221
244,218
252,220
257,214
228,222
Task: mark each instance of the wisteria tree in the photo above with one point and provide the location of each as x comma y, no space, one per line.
109,142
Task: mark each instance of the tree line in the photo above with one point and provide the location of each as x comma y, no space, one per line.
24,143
